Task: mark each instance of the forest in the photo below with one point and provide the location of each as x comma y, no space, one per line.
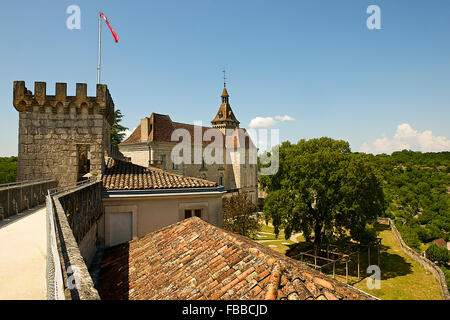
416,189
8,169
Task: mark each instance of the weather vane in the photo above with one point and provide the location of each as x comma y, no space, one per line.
224,78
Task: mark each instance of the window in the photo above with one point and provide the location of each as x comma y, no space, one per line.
174,165
190,212
83,161
203,163
163,161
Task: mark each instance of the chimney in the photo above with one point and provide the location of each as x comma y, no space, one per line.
145,124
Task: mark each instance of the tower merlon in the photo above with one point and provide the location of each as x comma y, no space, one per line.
25,101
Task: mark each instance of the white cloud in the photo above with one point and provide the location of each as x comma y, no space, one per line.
266,122
284,118
407,138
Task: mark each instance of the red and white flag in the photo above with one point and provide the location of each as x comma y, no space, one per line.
114,34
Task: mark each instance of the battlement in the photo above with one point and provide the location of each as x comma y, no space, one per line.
25,101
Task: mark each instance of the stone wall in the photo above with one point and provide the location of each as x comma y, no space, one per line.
57,131
427,264
19,197
83,208
77,213
235,176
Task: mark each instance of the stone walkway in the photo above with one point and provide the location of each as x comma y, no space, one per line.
23,251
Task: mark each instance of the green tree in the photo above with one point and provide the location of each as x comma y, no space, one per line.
8,169
322,189
436,253
117,130
240,215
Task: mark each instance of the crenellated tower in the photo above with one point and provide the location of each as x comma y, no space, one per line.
60,136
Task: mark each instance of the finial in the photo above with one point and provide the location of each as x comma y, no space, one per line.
224,78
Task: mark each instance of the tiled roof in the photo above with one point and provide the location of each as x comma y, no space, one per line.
121,175
440,242
195,260
225,114
162,128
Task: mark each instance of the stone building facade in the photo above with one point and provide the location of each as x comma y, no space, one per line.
152,143
62,137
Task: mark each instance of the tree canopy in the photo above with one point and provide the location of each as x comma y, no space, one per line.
117,130
240,215
8,169
323,190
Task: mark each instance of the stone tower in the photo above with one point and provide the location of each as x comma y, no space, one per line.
62,137
225,118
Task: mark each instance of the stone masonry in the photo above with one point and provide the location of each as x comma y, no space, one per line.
59,133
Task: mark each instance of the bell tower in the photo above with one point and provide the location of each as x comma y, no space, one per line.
225,118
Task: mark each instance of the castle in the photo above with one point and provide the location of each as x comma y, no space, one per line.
156,230
67,138
153,141
60,136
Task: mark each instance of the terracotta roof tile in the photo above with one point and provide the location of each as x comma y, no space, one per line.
162,128
195,260
121,175
440,242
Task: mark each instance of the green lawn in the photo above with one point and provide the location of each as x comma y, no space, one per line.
279,245
401,277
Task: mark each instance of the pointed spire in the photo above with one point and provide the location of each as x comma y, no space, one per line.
225,92
225,118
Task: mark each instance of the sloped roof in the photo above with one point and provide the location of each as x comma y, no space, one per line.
163,127
193,259
121,175
225,113
440,242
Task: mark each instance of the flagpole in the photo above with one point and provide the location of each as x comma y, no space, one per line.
99,48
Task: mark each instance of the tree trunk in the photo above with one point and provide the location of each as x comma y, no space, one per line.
317,233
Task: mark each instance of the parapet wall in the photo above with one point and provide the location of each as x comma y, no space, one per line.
18,197
76,216
61,103
56,131
427,264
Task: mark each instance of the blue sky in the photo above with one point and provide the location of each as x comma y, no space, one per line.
314,61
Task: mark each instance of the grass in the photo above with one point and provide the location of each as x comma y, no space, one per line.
279,245
401,277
